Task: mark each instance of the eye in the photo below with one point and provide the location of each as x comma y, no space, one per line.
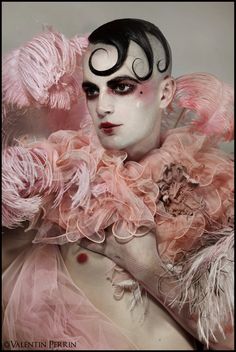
91,92
123,88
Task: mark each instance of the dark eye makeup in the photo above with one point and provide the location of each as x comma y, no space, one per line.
91,90
123,85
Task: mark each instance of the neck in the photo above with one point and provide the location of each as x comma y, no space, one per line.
139,150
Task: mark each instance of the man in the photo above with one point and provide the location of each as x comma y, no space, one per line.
127,90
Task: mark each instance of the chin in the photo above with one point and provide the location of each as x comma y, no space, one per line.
111,146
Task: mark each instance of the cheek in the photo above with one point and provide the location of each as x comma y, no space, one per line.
92,109
145,95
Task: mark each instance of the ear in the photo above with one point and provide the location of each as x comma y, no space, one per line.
167,91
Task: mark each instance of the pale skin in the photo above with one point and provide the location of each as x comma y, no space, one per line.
123,100
135,108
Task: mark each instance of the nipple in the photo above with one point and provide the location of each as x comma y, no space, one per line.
82,258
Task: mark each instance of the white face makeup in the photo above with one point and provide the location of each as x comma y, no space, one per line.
126,112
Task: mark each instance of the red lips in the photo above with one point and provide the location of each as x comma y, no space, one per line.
107,125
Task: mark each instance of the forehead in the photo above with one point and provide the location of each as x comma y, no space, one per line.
106,56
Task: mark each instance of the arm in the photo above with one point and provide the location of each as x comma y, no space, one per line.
139,256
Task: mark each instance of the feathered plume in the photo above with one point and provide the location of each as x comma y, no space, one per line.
42,87
79,43
211,99
44,72
26,175
204,281
14,92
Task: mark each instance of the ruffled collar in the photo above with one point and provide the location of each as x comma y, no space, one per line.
175,191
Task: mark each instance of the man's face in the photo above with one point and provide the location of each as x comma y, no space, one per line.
125,111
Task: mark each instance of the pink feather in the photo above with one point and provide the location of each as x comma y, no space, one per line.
80,44
44,72
211,99
27,174
42,87
14,92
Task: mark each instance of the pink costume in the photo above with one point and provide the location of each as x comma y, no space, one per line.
68,187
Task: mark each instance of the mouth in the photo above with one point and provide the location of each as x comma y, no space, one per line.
108,127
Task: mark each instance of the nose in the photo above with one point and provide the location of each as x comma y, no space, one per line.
105,105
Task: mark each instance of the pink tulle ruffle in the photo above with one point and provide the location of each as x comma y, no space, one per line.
42,305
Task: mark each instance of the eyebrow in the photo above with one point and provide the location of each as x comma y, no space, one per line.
121,78
110,83
87,84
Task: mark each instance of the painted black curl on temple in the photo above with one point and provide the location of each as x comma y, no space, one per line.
119,33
